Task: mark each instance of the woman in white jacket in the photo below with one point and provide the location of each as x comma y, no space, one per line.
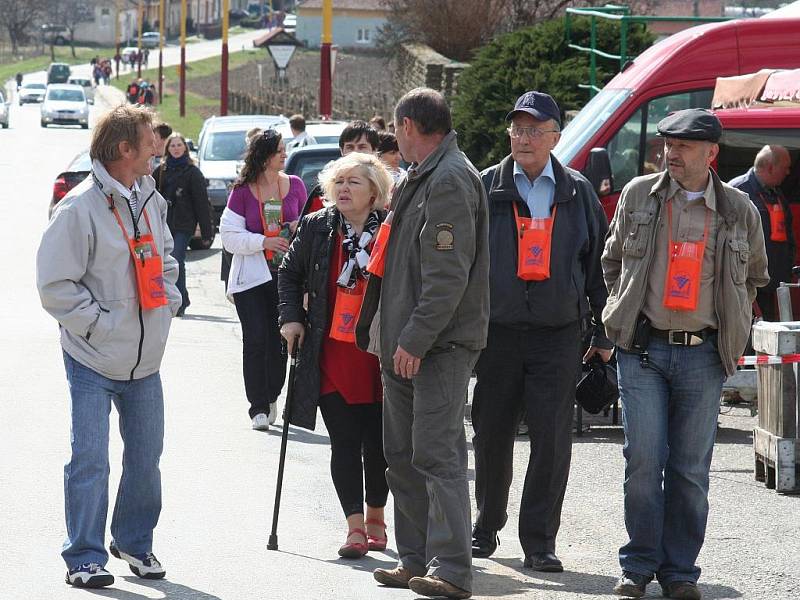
252,287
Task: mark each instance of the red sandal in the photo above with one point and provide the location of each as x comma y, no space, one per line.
375,542
354,549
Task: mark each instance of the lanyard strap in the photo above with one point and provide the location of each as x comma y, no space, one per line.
552,217
669,217
122,226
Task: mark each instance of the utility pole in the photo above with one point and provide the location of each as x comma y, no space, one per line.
117,34
161,30
183,60
223,96
325,80
139,41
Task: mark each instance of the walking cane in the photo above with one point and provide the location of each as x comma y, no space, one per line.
272,544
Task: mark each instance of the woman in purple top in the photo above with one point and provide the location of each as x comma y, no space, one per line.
261,215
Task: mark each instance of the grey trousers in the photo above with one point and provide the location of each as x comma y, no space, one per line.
426,452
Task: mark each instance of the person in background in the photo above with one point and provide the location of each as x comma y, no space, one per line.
261,214
544,281
378,123
182,184
390,127
433,316
332,371
763,184
358,136
389,152
112,291
683,258
162,131
297,124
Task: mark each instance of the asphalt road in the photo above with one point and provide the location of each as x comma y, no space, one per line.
219,475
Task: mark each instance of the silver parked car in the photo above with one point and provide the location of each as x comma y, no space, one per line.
65,104
31,91
86,84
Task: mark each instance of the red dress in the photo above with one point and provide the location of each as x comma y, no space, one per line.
344,368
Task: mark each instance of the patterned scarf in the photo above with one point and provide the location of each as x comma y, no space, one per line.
354,247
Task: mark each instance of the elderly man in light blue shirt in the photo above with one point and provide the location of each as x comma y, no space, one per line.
537,193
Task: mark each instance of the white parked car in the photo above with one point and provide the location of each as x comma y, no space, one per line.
151,39
86,84
65,104
31,91
221,149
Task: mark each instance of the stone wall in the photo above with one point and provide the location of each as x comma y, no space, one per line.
418,65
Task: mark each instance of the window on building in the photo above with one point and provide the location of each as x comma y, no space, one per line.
105,12
362,35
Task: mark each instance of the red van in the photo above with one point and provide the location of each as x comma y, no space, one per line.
618,126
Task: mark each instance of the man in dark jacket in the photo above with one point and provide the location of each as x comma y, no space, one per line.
546,230
762,183
434,310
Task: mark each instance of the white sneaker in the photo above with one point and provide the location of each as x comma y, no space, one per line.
261,422
143,565
89,575
273,412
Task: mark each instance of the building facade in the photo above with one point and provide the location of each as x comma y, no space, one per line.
355,22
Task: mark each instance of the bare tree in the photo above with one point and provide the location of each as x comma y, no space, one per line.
16,17
69,14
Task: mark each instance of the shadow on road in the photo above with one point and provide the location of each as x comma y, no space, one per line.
589,584
173,591
367,563
727,435
299,435
194,255
210,318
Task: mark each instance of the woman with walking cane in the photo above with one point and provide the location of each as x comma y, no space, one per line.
328,259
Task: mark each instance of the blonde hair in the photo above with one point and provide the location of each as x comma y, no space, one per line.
371,166
120,124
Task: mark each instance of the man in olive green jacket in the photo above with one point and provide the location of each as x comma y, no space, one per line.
683,258
434,314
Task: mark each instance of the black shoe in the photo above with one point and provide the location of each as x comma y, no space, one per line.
631,585
484,542
681,590
546,562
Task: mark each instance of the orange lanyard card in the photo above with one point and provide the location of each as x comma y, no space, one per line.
346,309
684,269
777,222
148,266
535,237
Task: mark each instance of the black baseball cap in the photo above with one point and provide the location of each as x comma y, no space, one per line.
539,105
691,124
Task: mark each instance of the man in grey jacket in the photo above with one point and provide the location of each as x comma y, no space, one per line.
682,261
434,312
114,313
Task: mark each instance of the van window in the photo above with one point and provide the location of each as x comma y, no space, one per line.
224,145
630,147
738,149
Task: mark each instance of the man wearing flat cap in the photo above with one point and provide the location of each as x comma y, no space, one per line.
682,261
546,231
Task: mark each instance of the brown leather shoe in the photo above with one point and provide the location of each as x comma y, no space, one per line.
396,578
436,587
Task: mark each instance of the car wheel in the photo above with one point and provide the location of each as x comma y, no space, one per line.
44,124
84,126
5,125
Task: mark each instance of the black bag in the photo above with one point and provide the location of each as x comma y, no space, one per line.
597,389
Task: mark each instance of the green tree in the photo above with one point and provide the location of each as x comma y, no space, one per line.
534,58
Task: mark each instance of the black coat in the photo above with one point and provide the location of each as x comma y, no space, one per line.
305,268
575,288
779,254
186,193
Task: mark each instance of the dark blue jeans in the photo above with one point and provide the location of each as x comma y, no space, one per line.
670,417
181,239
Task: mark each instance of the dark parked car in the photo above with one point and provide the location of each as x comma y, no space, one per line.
308,161
58,73
78,170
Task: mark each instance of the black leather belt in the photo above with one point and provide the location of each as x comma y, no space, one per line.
678,337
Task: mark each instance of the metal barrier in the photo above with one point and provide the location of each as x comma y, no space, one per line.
775,440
